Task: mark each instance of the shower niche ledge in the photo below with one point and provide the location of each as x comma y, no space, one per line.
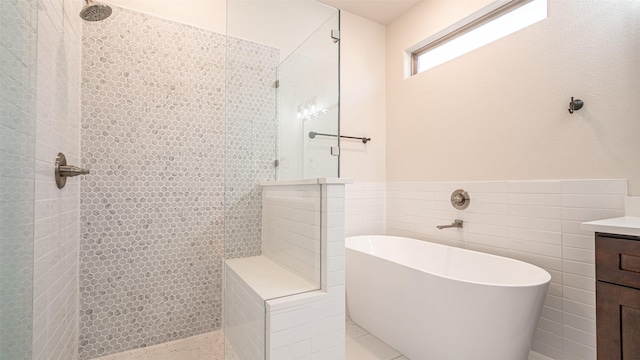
289,302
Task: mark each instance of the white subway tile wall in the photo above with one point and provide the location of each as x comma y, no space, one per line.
533,221
18,46
365,208
55,300
291,228
244,317
312,325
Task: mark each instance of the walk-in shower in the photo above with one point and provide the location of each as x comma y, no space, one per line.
178,124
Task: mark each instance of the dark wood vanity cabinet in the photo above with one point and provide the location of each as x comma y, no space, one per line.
618,296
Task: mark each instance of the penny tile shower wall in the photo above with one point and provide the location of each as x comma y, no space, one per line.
251,129
152,212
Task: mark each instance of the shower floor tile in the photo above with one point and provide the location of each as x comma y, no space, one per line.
202,347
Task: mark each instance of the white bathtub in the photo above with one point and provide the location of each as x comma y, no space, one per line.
436,302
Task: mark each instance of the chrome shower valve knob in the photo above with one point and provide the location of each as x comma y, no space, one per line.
63,171
460,199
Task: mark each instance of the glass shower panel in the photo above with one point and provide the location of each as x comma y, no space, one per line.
308,114
279,56
18,46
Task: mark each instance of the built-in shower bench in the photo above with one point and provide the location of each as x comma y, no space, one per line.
251,283
288,303
268,279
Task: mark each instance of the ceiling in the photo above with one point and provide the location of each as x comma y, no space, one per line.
380,11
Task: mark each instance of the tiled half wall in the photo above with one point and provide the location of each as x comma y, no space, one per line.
272,311
312,325
291,228
153,210
534,221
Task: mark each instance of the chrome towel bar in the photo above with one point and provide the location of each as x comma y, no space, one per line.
313,134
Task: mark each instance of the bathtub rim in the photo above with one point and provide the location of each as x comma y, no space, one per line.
544,273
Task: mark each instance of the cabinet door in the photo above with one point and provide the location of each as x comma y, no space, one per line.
618,322
618,259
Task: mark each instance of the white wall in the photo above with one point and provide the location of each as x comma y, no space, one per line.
500,112
362,98
280,24
204,14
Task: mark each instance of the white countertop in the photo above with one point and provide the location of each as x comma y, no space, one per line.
627,225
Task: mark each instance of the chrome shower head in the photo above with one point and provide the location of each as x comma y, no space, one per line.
93,11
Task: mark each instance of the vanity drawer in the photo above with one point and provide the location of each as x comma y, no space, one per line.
618,260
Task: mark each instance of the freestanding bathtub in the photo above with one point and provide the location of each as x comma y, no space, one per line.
436,302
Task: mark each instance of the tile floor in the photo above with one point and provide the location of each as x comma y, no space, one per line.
360,346
363,346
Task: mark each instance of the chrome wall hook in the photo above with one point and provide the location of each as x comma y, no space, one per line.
575,105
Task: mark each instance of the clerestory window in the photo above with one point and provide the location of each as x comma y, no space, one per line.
499,19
